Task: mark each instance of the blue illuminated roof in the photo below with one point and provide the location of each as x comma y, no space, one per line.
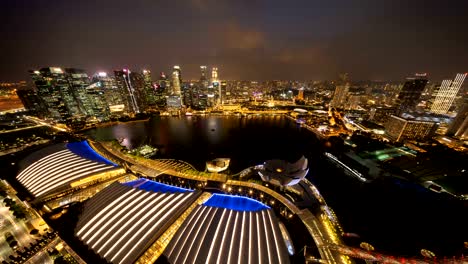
234,202
83,149
147,185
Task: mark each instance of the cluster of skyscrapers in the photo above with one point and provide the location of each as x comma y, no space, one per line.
417,109
69,95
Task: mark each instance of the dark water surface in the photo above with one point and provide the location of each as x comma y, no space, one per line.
395,217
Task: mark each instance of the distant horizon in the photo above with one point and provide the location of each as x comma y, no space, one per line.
156,74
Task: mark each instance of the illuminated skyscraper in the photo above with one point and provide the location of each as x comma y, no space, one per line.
149,94
114,97
79,82
203,73
161,90
214,75
98,106
300,95
447,93
215,93
125,80
176,81
340,96
409,96
55,91
223,91
341,92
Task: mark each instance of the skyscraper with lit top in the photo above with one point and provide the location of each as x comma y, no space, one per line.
176,81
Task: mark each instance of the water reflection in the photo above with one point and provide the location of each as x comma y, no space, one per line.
246,140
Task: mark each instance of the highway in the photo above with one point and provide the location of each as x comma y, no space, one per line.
59,127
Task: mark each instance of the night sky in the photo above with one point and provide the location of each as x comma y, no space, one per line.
246,39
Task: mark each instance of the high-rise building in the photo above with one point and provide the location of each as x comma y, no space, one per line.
459,126
214,75
32,102
341,91
161,90
187,94
176,81
54,89
401,129
114,96
300,94
214,90
410,93
203,73
98,106
150,97
128,83
340,96
223,92
79,82
446,94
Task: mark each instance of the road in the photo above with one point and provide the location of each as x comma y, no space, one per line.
59,127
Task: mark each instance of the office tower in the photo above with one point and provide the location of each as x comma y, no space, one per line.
223,88
79,83
187,94
401,129
128,82
214,75
446,94
341,91
340,96
300,95
176,81
98,106
113,95
203,73
459,126
161,90
410,93
54,89
150,97
32,102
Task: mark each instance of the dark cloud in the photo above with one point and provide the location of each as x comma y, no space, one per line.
254,39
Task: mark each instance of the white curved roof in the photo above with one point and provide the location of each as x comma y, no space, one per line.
222,235
59,169
123,220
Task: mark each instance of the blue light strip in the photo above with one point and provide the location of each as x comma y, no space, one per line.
148,185
83,150
234,202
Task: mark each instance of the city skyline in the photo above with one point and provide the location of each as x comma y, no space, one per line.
257,131
250,41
